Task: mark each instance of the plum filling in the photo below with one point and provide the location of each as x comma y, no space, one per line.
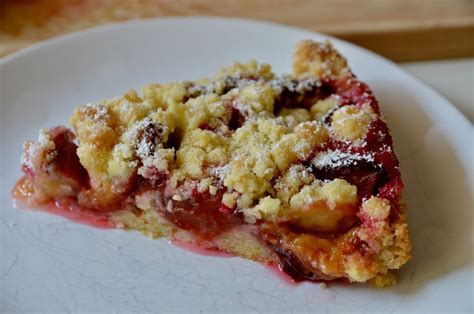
302,94
202,214
237,119
66,161
291,265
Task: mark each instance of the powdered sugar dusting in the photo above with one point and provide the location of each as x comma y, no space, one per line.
220,171
337,159
299,86
144,146
236,81
244,109
101,112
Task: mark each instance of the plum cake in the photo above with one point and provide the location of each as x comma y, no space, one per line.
296,171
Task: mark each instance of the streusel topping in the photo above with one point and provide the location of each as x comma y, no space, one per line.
235,132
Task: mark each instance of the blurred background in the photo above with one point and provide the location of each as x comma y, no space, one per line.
435,37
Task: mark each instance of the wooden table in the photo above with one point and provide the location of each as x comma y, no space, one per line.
398,29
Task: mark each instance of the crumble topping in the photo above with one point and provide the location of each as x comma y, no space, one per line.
267,208
291,181
376,208
318,60
227,132
351,122
321,206
38,153
321,109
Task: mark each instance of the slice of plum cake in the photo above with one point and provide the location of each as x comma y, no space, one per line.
296,171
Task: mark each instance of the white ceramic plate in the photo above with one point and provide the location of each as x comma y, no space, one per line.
50,264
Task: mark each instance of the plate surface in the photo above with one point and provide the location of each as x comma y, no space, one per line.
50,264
